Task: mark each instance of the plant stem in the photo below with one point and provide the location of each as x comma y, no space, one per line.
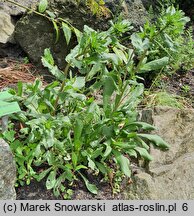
62,87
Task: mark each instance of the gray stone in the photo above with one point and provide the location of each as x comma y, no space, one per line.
78,14
171,173
130,9
7,172
6,28
175,127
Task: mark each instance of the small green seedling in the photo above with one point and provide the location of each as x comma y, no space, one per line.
7,108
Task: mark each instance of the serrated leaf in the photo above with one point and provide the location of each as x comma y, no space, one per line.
157,140
67,32
42,6
123,162
96,68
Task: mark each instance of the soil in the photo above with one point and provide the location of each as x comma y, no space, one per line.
37,191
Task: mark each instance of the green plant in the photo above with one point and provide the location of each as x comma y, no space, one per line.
169,38
88,121
163,98
186,89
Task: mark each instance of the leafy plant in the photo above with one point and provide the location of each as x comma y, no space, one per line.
168,38
88,121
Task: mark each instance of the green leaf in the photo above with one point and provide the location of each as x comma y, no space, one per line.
154,65
80,167
109,86
42,174
74,159
51,180
51,14
42,6
67,32
107,151
138,43
48,57
91,187
77,134
96,68
91,163
48,61
120,54
9,135
56,30
7,108
123,162
102,168
144,153
5,95
20,89
132,152
157,140
77,33
79,82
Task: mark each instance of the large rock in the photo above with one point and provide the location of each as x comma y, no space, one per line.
78,14
6,28
171,173
9,14
7,172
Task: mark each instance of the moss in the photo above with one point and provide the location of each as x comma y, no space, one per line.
98,8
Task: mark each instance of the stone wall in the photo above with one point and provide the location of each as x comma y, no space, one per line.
7,172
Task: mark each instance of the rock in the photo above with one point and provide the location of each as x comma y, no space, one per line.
77,14
6,28
7,172
171,173
130,9
14,10
175,127
8,14
142,188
